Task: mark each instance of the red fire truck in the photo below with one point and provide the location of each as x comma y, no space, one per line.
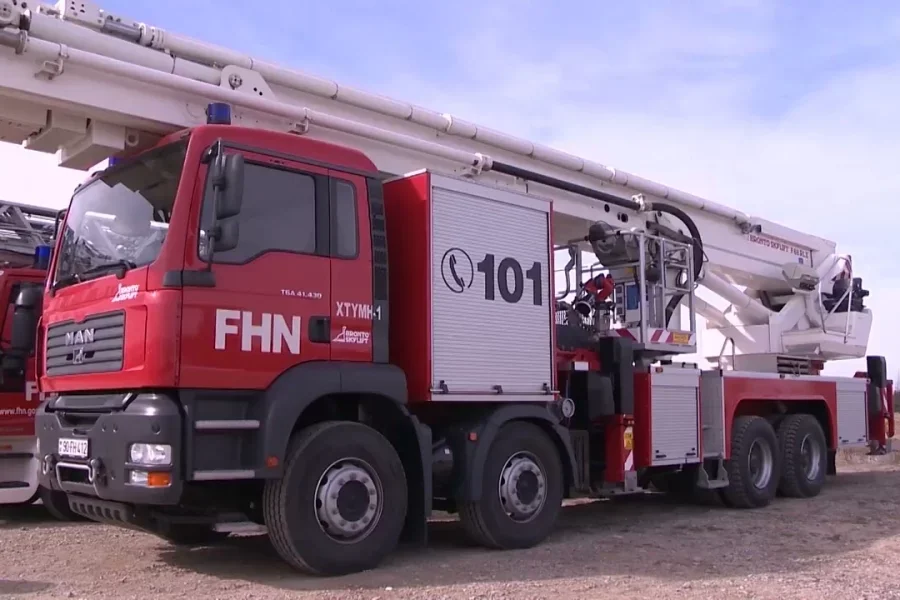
26,238
331,313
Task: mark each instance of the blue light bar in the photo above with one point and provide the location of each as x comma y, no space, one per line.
42,256
218,113
113,161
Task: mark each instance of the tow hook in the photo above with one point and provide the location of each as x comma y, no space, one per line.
47,464
96,474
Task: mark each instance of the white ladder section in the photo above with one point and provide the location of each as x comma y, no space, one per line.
22,229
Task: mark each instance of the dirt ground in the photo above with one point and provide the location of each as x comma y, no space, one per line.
845,544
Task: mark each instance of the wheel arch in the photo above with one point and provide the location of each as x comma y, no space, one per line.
372,394
489,427
774,409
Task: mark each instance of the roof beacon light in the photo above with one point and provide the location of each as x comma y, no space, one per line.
218,113
42,256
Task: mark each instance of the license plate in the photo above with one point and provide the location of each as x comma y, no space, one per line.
73,447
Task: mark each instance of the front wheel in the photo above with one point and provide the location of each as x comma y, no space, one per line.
341,504
522,490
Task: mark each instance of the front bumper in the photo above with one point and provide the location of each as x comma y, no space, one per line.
109,424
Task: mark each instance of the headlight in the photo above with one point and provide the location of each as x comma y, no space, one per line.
150,454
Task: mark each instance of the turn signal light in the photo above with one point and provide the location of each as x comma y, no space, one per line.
159,479
153,479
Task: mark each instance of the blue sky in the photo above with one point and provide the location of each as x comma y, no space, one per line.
782,109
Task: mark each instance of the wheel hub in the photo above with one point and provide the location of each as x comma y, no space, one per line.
348,500
759,464
523,487
810,457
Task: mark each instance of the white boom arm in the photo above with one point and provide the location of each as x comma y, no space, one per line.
87,85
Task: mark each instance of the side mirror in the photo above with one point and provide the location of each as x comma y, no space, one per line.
28,308
30,297
226,237
229,184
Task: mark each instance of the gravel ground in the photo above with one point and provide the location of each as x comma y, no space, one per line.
844,544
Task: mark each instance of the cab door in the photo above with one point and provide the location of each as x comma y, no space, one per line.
268,302
353,311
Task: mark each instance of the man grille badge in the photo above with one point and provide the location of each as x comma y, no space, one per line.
80,336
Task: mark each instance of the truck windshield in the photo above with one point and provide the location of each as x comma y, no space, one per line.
120,219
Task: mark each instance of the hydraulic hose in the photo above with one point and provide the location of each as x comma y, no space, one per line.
698,249
567,186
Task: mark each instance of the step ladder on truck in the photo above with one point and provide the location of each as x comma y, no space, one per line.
26,241
329,312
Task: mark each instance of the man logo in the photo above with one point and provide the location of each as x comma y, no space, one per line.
78,355
80,337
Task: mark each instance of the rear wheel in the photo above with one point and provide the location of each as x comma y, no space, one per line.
522,490
341,504
804,454
755,465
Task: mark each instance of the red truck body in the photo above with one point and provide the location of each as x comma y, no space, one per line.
19,396
19,401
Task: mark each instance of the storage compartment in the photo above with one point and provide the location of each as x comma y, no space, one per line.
471,297
712,413
675,401
852,413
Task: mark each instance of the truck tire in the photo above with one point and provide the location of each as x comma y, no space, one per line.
57,504
755,464
804,454
522,490
341,504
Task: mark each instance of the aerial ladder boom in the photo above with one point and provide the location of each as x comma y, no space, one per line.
89,85
23,228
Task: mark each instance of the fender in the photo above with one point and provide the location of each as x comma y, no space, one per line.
299,387
473,459
296,389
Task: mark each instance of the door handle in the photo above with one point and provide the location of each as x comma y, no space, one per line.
320,330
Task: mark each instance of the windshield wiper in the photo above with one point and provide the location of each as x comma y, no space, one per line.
119,266
67,280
